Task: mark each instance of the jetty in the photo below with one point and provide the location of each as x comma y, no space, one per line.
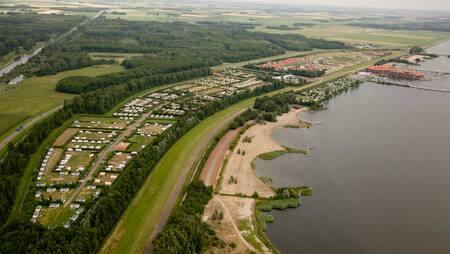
402,83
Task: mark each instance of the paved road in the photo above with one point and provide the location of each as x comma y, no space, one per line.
26,125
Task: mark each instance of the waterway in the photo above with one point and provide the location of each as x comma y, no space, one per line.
380,172
21,60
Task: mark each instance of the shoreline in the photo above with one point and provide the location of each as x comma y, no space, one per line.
235,199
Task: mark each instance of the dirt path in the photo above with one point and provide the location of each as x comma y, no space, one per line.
233,223
212,167
195,154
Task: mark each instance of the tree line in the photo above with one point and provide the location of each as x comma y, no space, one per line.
439,26
185,232
82,84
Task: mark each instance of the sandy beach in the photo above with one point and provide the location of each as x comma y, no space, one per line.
239,166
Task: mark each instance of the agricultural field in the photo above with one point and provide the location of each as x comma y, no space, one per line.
52,7
366,36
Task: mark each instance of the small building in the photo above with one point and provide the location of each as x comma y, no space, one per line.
122,146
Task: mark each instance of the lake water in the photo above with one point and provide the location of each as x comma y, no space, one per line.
380,172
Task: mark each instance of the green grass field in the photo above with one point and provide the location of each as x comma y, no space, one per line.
37,94
137,141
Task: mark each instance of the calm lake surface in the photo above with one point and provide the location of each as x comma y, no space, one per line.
380,172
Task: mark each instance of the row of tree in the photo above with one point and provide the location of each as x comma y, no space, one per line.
440,26
143,70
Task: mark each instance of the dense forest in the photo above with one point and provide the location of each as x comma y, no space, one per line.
23,31
166,44
440,26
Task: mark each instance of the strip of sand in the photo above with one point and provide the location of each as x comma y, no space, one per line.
212,167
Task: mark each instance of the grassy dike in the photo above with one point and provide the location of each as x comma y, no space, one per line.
134,230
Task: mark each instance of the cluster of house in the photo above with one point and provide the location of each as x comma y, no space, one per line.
162,116
44,164
173,109
78,143
102,125
164,96
136,107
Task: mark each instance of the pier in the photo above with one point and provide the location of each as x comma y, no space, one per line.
401,83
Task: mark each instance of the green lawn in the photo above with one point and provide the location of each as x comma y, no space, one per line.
37,95
137,141
10,120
